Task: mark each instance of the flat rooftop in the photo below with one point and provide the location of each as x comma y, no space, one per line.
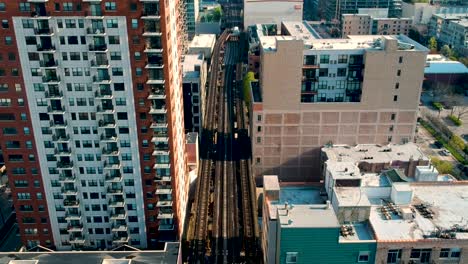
352,42
372,153
351,197
203,41
167,256
438,64
295,196
448,204
360,231
310,216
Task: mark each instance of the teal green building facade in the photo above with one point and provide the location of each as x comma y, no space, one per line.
322,246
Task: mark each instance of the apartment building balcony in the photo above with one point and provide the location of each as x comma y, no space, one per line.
40,13
100,63
45,48
69,191
164,204
153,47
75,227
166,227
158,110
56,110
119,228
65,164
113,177
152,31
61,137
106,123
101,79
94,14
69,216
48,63
103,94
48,31
97,47
157,94
77,240
105,110
120,239
58,124
96,31
162,165
53,94
159,124
62,151
160,152
92,1
109,137
155,80
164,215
67,178
112,166
118,215
116,203
115,190
163,179
51,79
154,1
163,190
152,14
71,203
160,137
161,146
110,151
154,61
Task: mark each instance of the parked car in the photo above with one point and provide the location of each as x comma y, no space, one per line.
444,152
438,144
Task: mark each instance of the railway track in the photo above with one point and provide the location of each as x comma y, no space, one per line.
223,226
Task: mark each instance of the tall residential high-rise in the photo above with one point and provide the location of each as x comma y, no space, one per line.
92,118
316,92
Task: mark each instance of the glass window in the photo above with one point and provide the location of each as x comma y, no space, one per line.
324,58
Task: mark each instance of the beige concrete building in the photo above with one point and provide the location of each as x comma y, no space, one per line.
363,24
316,92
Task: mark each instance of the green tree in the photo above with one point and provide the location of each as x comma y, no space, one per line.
446,51
432,44
217,13
457,142
443,166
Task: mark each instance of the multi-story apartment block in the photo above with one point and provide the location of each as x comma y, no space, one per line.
451,30
192,8
363,24
332,91
334,9
93,121
194,80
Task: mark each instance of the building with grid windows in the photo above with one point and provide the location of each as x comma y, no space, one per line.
355,90
92,121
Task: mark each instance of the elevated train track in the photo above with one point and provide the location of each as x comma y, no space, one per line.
223,224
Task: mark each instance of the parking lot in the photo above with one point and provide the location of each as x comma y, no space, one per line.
426,143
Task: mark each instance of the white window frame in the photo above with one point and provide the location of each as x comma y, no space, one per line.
363,253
